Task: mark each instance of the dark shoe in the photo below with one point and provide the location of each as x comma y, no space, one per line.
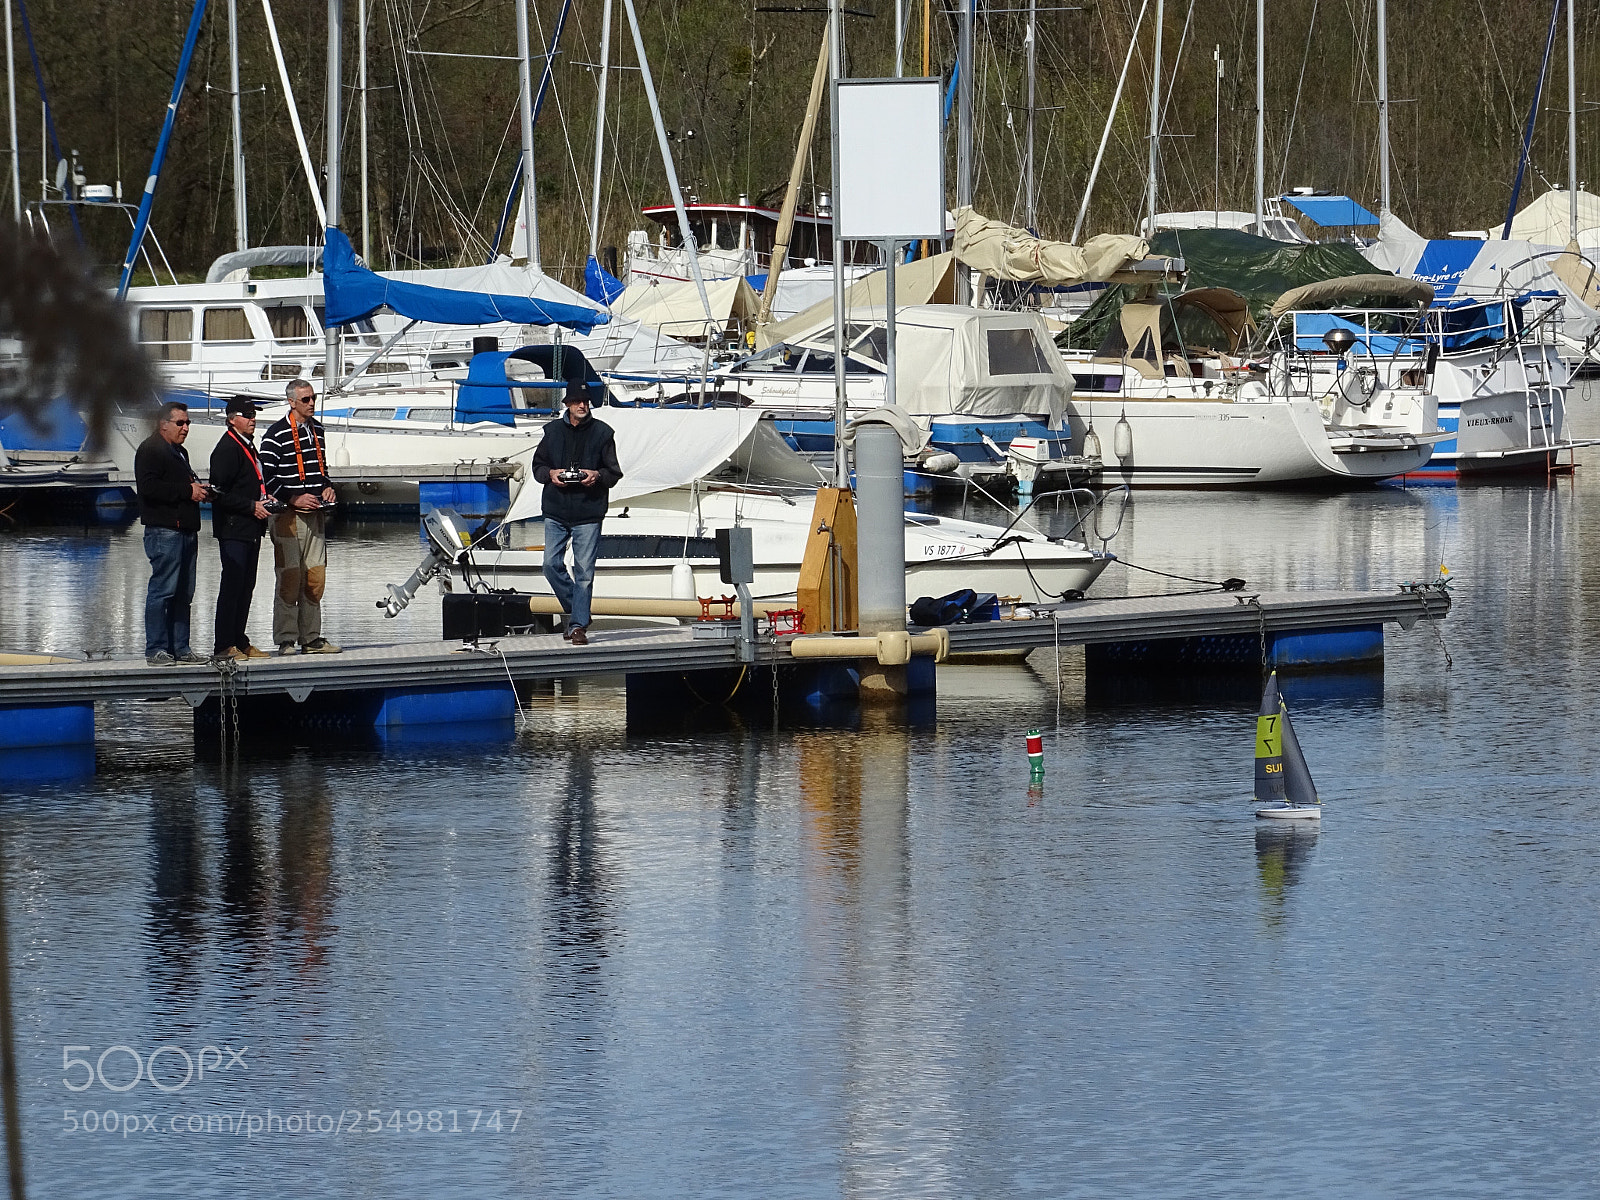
287,649
160,659
190,659
566,631
577,636
319,646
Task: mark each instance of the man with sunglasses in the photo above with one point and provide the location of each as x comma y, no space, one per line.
239,512
169,508
294,456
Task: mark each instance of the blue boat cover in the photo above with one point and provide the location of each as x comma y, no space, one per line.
485,394
354,292
1444,262
1310,326
599,284
1331,210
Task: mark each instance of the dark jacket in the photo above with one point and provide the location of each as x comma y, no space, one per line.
162,475
589,444
285,479
234,464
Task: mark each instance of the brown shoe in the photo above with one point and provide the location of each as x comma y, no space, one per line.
578,637
251,652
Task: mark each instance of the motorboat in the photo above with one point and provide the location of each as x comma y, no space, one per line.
689,473
1216,410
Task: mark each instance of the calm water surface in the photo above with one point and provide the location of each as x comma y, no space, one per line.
585,959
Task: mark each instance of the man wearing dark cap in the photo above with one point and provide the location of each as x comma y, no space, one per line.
577,463
239,519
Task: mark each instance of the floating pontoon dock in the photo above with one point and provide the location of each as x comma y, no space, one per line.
448,683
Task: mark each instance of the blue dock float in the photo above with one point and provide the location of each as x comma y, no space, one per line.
440,686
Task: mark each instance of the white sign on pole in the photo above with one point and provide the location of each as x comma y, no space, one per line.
891,160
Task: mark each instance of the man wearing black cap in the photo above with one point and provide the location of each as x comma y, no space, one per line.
239,520
577,463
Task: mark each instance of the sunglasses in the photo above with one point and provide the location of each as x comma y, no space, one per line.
180,424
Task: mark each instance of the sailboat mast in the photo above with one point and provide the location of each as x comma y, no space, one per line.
791,195
1572,122
11,100
525,104
333,339
241,226
600,129
1030,218
1261,117
361,42
966,67
1155,115
1383,109
1111,117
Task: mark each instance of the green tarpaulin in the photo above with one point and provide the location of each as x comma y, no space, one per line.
1257,268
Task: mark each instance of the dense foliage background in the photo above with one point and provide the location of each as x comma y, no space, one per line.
443,130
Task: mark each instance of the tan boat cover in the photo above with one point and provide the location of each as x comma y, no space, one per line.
926,281
1003,252
1578,273
1226,307
673,305
1353,287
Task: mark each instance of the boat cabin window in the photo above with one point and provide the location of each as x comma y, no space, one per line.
225,325
1015,352
428,414
279,370
362,332
168,332
288,322
870,341
372,414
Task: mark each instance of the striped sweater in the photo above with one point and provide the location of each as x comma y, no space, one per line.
287,475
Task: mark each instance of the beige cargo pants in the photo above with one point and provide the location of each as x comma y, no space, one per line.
300,563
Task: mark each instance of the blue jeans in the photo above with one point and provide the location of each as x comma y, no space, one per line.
573,591
172,558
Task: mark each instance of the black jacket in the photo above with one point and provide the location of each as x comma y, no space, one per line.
589,444
162,475
237,488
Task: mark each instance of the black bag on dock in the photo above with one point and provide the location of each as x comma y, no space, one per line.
965,605
469,616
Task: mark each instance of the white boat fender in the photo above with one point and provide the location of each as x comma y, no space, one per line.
941,462
1091,443
682,580
1122,438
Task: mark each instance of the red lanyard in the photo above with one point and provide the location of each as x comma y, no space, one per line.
249,452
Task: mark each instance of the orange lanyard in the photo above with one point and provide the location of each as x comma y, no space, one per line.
299,459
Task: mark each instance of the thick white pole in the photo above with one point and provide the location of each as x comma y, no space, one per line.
1155,116
690,247
525,90
1383,108
1116,99
366,226
333,360
294,114
11,100
600,130
1572,121
1261,116
841,468
964,137
899,38
1216,138
241,223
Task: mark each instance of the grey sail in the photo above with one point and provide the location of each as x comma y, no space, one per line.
1297,785
1269,745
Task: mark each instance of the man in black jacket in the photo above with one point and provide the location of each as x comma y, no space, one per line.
239,519
169,507
577,463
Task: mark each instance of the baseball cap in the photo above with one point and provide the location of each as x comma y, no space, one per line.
241,406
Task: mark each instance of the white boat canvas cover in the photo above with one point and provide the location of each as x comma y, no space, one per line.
664,448
952,359
1459,268
929,280
673,305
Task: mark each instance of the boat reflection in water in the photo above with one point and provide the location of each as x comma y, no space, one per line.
1283,852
